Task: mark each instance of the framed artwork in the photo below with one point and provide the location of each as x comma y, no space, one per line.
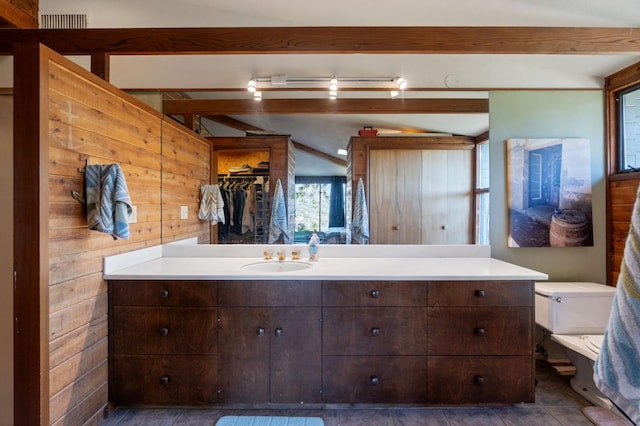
549,187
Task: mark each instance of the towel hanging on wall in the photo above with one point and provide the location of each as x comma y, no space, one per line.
360,222
211,204
278,223
108,202
616,371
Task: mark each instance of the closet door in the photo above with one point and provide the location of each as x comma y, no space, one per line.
395,215
446,196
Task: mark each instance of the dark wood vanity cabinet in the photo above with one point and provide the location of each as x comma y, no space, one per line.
480,345
332,341
269,336
163,342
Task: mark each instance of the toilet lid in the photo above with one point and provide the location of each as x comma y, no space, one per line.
593,342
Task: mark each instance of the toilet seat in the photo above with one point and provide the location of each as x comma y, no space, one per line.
593,342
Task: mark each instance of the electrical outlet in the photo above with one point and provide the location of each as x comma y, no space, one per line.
133,217
184,212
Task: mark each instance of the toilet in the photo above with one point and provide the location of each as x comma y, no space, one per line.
576,315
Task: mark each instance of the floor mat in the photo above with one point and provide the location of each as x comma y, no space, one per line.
603,417
269,421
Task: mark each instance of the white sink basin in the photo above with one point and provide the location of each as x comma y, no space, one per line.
277,266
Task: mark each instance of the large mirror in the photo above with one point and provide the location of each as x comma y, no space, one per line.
322,201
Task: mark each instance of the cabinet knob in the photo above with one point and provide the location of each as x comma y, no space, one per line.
480,293
164,293
480,331
375,293
260,331
164,331
164,380
479,380
375,331
395,228
374,380
278,331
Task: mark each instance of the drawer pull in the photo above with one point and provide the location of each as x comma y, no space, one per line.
375,293
480,293
374,380
375,331
278,331
260,331
164,380
164,294
479,380
164,331
480,331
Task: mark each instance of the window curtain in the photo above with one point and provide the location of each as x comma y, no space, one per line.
336,202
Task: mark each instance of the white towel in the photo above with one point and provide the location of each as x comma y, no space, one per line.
616,371
360,222
278,223
211,204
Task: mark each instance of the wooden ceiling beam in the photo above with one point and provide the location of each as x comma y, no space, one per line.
241,125
12,15
206,107
331,40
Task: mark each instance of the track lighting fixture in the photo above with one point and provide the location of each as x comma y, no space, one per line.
252,85
257,95
333,84
333,94
401,83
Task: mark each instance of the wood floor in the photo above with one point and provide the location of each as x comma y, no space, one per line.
556,404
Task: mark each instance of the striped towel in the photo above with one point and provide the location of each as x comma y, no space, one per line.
360,222
211,204
278,225
108,202
616,371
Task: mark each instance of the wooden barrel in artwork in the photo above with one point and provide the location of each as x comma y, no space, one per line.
569,228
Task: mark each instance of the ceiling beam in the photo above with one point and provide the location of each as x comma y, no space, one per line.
241,125
14,16
331,40
324,106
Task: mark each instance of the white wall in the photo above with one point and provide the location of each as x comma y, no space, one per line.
549,114
6,260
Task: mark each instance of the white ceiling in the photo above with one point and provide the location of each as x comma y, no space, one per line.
479,73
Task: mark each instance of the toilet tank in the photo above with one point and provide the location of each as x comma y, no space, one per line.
573,307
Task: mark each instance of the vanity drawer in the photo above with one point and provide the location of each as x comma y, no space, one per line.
374,293
163,380
163,293
143,330
480,293
480,331
269,293
374,379
480,379
375,331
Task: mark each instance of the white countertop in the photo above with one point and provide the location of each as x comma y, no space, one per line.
385,262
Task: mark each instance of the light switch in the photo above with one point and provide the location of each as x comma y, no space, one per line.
133,217
184,212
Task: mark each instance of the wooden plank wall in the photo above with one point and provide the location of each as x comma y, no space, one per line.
164,164
622,196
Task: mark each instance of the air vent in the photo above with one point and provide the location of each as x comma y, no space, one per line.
64,20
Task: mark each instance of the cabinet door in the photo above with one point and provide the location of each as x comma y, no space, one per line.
394,196
295,355
446,196
243,341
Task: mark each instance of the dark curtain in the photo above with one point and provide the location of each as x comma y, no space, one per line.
336,203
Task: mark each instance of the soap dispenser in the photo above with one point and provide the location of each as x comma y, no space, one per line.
314,243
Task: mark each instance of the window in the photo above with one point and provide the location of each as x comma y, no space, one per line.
482,193
629,130
319,205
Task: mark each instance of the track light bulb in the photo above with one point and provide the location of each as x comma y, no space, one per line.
257,95
394,94
333,84
252,85
333,94
401,83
